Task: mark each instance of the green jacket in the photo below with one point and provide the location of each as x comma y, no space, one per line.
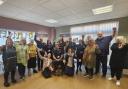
22,54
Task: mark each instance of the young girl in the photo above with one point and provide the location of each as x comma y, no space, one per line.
69,62
47,64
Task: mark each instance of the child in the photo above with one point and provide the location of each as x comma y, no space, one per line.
47,64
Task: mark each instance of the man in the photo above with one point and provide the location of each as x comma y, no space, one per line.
57,59
103,43
62,44
41,45
71,45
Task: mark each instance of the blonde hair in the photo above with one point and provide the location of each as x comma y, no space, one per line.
91,40
121,39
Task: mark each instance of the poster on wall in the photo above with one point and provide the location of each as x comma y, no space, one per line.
15,35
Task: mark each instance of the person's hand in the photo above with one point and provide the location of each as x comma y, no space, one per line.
96,46
114,30
120,45
64,61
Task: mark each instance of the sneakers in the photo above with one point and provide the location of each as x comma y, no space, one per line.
118,83
110,78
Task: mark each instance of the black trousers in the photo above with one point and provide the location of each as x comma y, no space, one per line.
79,64
101,60
89,71
116,72
79,61
32,62
21,70
6,75
40,63
58,65
86,69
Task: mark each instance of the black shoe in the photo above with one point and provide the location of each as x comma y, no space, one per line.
34,71
103,76
6,84
80,70
96,73
14,81
76,71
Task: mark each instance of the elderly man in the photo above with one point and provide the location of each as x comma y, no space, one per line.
103,43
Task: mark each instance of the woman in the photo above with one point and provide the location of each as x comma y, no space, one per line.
32,51
119,50
40,44
69,62
9,61
89,57
47,64
22,56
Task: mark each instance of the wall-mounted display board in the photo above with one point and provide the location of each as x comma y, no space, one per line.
15,35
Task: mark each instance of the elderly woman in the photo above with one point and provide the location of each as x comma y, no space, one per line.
119,50
9,61
89,57
32,51
22,56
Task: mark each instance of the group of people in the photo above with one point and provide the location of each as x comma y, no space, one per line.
58,58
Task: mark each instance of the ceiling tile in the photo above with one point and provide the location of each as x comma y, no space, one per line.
66,12
26,4
41,10
74,3
100,3
54,5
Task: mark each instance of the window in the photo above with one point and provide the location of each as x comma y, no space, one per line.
92,29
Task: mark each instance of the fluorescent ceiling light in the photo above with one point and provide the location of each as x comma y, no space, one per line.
102,10
51,21
1,2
